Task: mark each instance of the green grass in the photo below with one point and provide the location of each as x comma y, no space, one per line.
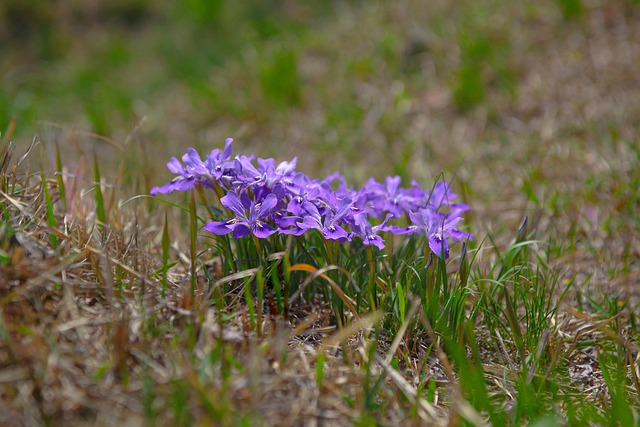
128,312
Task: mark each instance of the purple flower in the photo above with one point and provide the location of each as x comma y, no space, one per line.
188,175
363,229
441,195
437,228
398,200
268,197
193,171
378,199
276,174
242,224
266,174
288,224
331,225
217,159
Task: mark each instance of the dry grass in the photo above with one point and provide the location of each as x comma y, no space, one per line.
84,351
85,331
87,338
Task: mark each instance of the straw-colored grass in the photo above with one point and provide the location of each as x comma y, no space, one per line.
92,332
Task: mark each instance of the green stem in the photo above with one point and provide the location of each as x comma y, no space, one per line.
372,278
329,249
193,226
256,242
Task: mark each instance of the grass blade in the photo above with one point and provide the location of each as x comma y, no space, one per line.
51,218
100,208
60,178
165,255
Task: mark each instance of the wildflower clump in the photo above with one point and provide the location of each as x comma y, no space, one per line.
263,198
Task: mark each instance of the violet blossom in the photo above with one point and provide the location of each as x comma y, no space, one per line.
272,197
242,224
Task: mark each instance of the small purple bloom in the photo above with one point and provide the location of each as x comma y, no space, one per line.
276,174
288,224
331,225
217,159
242,224
266,174
193,171
441,195
188,174
363,229
437,228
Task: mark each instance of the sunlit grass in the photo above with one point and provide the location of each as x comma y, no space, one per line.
408,312
119,308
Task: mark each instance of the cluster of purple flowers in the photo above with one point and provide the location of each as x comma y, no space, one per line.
270,198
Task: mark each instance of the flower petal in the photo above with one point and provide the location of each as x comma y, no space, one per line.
175,166
335,232
261,229
232,202
374,240
439,246
218,227
266,206
241,230
227,149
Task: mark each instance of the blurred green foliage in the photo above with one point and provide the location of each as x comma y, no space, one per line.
202,12
570,8
485,63
98,60
470,86
357,72
279,78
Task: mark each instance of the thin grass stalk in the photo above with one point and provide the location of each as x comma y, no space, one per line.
249,302
336,300
97,180
60,178
193,234
277,286
372,391
259,300
165,255
203,199
429,288
148,397
286,271
514,325
51,218
320,362
372,278
6,153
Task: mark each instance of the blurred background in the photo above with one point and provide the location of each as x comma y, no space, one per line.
521,103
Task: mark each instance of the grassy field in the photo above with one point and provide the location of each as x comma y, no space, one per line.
118,308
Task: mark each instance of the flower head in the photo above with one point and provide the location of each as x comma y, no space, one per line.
243,224
194,171
331,224
369,234
437,227
217,159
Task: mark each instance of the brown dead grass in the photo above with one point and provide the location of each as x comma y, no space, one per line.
75,345
78,353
